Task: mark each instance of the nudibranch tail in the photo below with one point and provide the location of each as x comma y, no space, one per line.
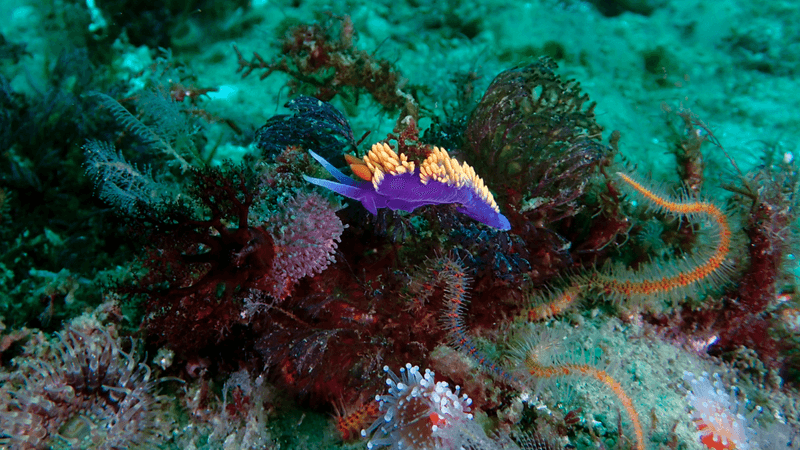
395,182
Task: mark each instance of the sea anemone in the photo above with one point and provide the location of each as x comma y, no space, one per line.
718,420
419,413
86,393
306,235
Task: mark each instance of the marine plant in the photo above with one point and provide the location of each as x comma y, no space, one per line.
314,124
324,62
210,255
535,139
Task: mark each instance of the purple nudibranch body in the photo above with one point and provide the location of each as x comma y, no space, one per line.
397,184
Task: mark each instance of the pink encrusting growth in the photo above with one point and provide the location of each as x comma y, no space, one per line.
306,234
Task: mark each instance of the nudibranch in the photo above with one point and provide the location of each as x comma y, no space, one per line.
394,182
